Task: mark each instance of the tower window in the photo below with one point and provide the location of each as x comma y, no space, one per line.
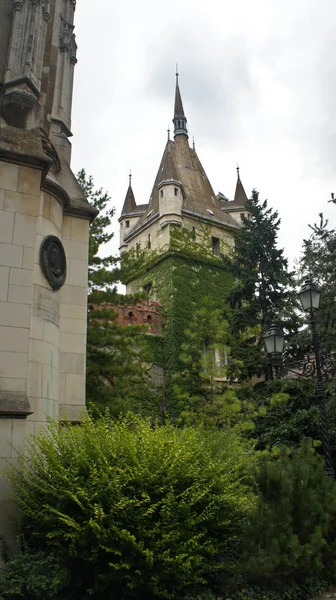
215,246
149,244
175,191
127,224
161,193
194,233
242,215
148,288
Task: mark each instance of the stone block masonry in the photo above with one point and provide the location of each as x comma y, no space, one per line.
44,229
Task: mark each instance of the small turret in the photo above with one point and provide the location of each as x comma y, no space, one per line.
127,217
179,120
170,189
240,198
237,207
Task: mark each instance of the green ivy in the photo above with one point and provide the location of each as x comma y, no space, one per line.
182,278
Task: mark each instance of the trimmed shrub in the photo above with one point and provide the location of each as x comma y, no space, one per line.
128,509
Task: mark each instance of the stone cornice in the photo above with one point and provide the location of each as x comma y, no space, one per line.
14,405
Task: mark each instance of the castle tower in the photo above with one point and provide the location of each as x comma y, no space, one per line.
44,223
188,227
181,196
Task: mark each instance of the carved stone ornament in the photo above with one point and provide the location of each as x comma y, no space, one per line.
53,261
65,35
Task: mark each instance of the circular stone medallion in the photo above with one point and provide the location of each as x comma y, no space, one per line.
53,261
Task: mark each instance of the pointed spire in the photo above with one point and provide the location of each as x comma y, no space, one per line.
168,171
129,204
240,197
194,144
179,120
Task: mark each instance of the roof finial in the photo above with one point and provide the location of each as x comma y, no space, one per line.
168,131
238,172
177,74
130,178
193,143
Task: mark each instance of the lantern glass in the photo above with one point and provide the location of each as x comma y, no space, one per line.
310,296
274,340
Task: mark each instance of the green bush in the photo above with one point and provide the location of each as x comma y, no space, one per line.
289,532
127,509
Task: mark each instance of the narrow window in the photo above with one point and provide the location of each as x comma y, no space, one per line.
215,246
161,193
175,191
127,224
194,233
148,288
149,241
242,216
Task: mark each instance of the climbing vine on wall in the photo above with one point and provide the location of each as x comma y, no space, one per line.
182,278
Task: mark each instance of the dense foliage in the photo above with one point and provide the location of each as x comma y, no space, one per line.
295,513
115,375
262,292
318,264
128,510
182,278
116,510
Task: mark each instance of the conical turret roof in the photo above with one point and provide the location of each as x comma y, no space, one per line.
240,198
168,170
129,204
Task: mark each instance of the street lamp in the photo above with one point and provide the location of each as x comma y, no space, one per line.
309,296
274,340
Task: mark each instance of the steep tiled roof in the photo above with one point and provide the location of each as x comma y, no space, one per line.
178,109
129,204
169,170
240,198
182,164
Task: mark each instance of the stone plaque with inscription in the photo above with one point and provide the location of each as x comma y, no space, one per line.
46,305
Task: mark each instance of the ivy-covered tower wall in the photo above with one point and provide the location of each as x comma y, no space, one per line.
183,279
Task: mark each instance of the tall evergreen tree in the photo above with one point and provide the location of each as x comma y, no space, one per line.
318,263
263,291
116,377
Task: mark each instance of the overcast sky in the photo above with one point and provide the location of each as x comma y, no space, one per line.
258,83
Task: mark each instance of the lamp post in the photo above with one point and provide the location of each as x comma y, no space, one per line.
309,296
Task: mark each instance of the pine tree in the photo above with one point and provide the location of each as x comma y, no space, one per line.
318,263
263,292
115,377
201,387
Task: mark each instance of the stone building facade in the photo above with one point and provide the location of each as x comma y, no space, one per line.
44,225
